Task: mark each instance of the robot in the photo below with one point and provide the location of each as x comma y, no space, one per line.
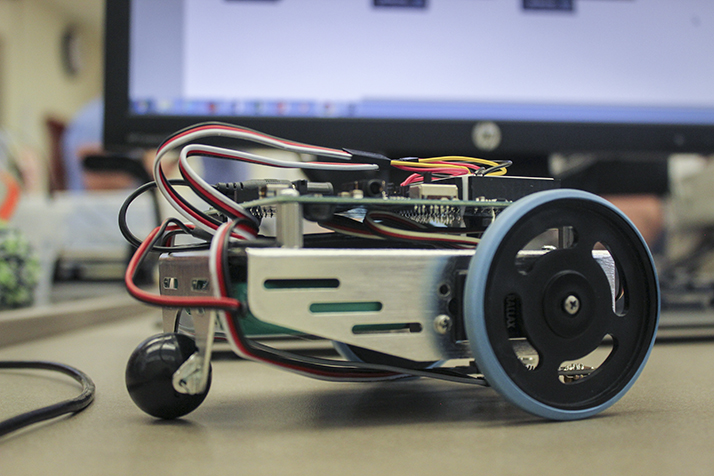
456,272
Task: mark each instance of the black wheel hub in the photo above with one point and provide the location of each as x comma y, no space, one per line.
568,304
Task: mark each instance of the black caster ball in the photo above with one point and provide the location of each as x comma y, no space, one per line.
149,375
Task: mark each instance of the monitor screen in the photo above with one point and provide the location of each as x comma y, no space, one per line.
486,77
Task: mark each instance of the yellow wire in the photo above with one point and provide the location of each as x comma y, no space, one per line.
459,158
474,160
405,163
426,163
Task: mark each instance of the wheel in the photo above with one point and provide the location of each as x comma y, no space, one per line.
561,304
149,375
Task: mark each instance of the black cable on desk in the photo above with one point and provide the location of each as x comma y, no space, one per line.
73,405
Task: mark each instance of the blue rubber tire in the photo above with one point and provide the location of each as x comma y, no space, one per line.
475,317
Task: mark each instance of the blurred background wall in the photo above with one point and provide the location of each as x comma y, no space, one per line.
51,60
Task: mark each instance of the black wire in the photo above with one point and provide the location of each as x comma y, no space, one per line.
502,165
136,242
74,405
186,204
157,238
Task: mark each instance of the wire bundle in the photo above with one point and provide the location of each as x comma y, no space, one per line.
185,139
383,225
448,166
241,229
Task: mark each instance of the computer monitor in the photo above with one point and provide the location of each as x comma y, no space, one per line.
491,78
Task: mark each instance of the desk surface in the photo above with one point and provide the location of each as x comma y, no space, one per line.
260,420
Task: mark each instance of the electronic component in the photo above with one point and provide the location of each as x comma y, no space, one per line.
365,188
500,187
434,191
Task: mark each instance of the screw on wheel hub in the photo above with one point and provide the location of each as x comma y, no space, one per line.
571,301
571,305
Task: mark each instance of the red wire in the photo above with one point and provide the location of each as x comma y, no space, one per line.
435,170
460,164
411,179
178,200
219,155
227,156
248,227
169,301
217,203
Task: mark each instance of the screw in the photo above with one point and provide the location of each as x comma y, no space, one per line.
571,305
442,324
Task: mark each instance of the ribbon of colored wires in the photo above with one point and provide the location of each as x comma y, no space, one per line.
377,221
381,225
497,168
448,165
206,130
219,200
